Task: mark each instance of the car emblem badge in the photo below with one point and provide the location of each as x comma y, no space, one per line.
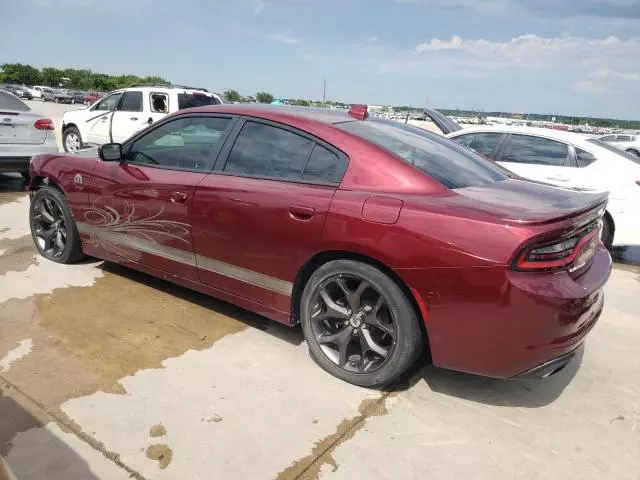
78,179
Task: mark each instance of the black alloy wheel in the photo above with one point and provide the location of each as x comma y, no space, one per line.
352,323
359,324
53,229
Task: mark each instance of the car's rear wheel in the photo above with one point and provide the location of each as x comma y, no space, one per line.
359,324
633,151
53,228
71,140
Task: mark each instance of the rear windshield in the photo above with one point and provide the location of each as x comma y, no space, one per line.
611,148
444,160
11,102
191,100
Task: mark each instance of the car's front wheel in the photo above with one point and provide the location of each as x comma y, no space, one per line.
359,324
53,228
71,140
633,151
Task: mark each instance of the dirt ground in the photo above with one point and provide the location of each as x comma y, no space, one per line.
106,373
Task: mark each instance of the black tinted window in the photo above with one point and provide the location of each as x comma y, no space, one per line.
9,101
266,151
441,159
536,151
324,166
584,158
132,102
484,143
189,143
191,100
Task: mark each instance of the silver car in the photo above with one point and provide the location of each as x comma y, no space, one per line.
58,96
22,134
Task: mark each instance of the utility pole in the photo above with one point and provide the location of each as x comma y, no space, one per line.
324,91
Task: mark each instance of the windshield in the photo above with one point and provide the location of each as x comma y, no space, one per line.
11,102
444,160
611,148
191,100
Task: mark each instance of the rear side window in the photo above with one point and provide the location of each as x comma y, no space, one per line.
191,100
131,102
441,159
584,158
324,166
265,151
484,143
535,151
11,102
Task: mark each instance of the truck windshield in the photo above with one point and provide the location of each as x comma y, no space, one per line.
191,100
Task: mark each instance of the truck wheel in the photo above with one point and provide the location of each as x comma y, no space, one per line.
71,140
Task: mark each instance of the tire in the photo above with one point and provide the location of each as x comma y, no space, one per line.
56,100
608,231
67,134
403,346
633,151
58,208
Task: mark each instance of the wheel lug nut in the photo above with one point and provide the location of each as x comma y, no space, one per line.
355,330
346,322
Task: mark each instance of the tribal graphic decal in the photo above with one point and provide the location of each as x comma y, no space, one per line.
138,222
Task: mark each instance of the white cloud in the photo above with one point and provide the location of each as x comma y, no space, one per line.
613,74
284,37
589,86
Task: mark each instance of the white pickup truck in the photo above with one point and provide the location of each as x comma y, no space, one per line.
121,113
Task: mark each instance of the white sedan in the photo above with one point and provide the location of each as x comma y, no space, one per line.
565,159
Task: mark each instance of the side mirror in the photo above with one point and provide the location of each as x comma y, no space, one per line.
110,152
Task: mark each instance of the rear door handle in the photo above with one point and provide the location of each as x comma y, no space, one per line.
134,118
300,212
178,197
559,178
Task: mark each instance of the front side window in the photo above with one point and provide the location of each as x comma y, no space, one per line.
187,143
536,151
442,159
484,143
108,103
265,151
131,102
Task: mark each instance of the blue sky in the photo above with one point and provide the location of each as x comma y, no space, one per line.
558,56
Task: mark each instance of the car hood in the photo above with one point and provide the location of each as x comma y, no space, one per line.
527,202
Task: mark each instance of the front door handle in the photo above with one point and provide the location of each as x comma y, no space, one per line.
558,178
300,212
134,118
178,197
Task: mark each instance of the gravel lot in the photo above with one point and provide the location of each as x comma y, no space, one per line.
106,373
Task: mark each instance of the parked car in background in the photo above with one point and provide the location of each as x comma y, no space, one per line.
39,89
55,95
19,91
22,134
628,143
121,113
35,93
564,159
381,239
92,97
77,96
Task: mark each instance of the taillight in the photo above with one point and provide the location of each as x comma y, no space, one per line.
44,124
637,182
572,253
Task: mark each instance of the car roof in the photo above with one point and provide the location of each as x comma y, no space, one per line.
322,115
573,138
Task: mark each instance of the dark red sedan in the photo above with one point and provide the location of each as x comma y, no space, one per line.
381,239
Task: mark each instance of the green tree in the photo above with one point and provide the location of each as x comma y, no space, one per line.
232,96
300,102
264,97
52,76
19,73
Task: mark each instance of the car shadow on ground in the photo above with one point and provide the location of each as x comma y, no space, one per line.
10,183
627,255
292,335
39,454
530,393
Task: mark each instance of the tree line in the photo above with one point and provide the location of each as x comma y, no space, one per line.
72,78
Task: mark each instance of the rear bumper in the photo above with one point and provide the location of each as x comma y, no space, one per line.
499,323
548,368
16,158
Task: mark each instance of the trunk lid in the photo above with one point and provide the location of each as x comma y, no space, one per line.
444,123
18,127
526,202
